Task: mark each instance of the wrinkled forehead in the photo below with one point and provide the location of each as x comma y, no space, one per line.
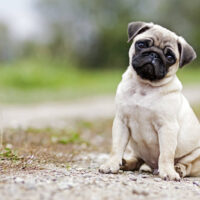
161,37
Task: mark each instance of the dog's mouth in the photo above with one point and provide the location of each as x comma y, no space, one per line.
146,71
150,67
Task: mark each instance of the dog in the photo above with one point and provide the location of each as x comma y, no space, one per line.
152,115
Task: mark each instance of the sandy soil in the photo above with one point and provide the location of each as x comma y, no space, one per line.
42,173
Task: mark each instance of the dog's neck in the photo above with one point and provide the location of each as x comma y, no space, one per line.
169,81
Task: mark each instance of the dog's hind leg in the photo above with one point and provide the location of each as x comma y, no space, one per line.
189,165
130,162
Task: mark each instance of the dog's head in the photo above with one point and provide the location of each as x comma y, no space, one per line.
157,52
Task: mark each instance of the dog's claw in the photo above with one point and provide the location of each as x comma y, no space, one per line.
169,175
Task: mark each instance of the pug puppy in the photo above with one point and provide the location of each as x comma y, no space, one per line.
152,115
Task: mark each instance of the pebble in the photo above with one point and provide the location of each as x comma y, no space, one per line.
124,183
145,176
197,183
129,172
163,187
133,178
65,186
18,180
136,191
157,179
79,169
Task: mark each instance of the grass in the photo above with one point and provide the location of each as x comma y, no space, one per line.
189,75
34,80
41,80
9,154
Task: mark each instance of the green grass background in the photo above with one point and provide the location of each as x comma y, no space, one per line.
36,80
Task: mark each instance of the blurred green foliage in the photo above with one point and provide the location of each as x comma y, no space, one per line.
94,33
35,80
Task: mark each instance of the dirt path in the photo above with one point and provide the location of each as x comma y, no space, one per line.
57,114
53,171
60,114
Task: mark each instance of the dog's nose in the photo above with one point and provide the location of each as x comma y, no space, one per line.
154,55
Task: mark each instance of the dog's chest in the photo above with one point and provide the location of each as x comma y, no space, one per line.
137,103
139,108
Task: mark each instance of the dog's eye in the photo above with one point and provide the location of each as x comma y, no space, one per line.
170,57
142,45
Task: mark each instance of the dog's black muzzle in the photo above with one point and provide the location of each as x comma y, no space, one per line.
149,65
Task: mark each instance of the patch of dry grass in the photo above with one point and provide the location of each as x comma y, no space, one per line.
32,148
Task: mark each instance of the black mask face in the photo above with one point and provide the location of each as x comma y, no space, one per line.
151,62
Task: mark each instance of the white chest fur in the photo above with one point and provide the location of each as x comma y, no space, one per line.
137,107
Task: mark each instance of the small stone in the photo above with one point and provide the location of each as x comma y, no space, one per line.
129,172
135,191
124,183
157,179
79,169
163,187
196,183
140,192
144,193
30,186
144,176
140,182
65,186
18,180
133,178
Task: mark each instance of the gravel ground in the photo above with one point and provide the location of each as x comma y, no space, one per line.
80,179
83,181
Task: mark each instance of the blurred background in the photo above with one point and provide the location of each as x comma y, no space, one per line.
65,49
60,64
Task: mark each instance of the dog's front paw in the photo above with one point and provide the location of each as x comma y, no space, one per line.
169,174
110,167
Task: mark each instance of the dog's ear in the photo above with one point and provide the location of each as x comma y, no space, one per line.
135,28
186,52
